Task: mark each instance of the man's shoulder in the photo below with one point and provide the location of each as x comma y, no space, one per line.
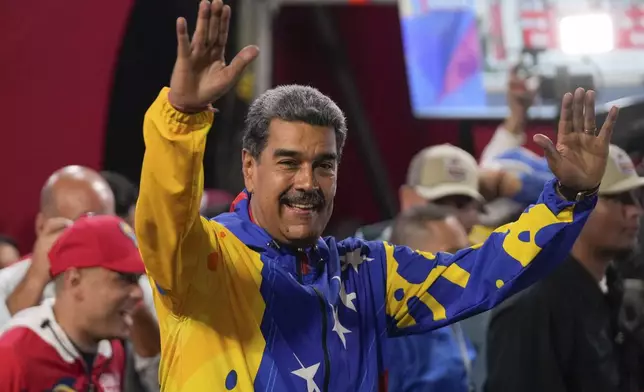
21,343
231,228
351,244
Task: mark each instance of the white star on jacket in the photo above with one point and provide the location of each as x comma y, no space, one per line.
339,328
347,299
307,374
353,259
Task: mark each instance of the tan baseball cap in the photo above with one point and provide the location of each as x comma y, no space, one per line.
620,175
444,170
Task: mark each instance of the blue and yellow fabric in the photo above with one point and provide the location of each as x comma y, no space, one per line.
235,316
533,172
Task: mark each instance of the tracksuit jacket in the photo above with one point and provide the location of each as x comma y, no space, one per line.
239,311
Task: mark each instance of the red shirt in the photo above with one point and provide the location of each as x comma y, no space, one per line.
36,355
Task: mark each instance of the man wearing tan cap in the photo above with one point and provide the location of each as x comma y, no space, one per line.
560,335
449,176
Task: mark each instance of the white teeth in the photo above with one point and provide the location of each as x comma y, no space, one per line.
303,206
127,318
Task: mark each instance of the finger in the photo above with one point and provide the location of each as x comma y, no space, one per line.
606,133
200,37
240,62
215,20
54,225
518,87
549,150
589,112
514,71
224,25
578,110
565,120
183,41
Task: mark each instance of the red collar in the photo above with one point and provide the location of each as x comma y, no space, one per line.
242,196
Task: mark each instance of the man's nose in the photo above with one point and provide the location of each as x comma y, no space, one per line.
634,211
305,179
136,292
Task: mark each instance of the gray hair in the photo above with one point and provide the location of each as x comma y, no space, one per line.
409,224
291,103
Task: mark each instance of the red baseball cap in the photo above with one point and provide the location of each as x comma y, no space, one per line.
97,241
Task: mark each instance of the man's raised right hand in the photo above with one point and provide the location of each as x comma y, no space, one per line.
52,229
200,74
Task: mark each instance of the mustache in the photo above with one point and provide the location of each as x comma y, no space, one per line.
314,197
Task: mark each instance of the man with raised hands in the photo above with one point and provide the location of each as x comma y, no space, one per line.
255,299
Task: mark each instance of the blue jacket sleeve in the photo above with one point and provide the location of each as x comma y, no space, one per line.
426,291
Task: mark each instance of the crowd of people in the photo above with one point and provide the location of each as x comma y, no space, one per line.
160,288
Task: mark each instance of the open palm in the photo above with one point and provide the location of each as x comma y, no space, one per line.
200,74
579,158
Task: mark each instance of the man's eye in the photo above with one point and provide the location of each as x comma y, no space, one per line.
288,163
327,166
129,278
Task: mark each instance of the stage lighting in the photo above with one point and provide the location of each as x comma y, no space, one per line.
586,34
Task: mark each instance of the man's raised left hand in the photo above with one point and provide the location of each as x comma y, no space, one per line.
578,160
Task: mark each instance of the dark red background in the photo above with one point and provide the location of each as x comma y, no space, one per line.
57,71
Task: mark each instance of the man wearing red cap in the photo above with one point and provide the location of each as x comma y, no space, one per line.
72,342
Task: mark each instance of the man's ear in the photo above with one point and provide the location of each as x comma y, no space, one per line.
249,167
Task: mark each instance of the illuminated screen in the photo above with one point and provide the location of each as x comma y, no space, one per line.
458,53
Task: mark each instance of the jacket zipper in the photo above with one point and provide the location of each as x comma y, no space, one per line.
88,371
299,268
327,362
84,365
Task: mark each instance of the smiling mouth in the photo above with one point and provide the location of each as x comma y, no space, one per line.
127,317
304,207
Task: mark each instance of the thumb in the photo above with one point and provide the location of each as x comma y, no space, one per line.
241,61
551,153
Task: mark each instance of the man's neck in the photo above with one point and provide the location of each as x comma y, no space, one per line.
595,261
76,335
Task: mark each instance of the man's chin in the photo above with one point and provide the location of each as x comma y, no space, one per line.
301,235
626,252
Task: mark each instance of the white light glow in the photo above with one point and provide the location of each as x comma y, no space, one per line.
586,34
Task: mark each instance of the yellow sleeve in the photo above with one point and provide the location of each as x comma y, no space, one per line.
172,236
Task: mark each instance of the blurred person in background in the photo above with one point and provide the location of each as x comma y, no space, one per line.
125,195
73,342
69,193
440,360
511,133
560,335
448,175
320,327
9,252
505,153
